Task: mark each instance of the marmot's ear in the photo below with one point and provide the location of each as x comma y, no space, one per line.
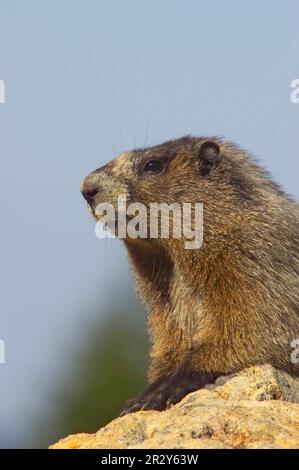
209,156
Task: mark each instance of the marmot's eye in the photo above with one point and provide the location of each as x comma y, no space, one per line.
153,166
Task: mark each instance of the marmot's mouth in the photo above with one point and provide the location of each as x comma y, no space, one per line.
96,215
93,213
99,217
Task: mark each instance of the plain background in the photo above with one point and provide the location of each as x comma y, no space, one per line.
85,80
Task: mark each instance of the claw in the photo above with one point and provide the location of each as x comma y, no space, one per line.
166,393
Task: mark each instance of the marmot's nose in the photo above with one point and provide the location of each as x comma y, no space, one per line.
89,194
91,185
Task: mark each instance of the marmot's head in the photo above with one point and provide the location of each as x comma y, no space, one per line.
175,171
186,170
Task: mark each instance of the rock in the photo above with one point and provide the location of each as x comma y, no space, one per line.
257,408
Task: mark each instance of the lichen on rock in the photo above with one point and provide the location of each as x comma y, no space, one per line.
257,408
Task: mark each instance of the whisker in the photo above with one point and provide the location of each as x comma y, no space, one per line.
146,133
113,148
121,141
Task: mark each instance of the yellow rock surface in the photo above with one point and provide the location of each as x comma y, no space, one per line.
257,408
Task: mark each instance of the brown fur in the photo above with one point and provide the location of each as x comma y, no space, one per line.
230,304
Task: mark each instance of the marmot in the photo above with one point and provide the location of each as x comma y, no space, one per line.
233,302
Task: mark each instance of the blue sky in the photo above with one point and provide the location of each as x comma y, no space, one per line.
85,80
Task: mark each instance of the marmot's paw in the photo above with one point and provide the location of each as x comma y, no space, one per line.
154,400
150,399
165,393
